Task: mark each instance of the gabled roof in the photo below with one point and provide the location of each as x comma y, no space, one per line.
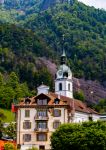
72,104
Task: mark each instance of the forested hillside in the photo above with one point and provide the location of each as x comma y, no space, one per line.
85,37
84,29
34,31
19,52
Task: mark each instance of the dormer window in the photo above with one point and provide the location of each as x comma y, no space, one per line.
42,101
56,101
27,101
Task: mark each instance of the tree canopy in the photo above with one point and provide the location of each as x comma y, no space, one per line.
85,136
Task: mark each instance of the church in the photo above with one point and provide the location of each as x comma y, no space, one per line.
38,117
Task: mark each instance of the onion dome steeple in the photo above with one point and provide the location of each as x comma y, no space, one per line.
63,80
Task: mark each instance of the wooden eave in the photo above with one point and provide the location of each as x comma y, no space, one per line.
41,106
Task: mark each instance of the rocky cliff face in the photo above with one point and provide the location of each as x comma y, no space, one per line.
93,90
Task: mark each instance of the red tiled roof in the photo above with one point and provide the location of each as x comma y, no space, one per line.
73,104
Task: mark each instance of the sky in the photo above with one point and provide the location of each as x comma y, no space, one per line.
95,3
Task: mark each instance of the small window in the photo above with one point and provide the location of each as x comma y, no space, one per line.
27,113
60,86
27,137
27,101
57,113
42,125
42,113
27,125
41,137
56,101
69,87
42,101
56,124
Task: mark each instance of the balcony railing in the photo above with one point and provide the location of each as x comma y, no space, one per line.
41,129
41,117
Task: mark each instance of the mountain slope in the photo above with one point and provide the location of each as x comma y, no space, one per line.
85,36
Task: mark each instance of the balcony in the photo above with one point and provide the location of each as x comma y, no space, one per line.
41,117
41,129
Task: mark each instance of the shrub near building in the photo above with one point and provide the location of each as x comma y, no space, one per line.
86,136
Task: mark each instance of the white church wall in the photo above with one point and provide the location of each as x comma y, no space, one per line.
80,117
64,91
95,117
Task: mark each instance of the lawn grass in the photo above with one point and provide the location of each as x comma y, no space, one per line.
9,115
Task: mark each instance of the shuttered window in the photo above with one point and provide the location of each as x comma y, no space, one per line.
27,125
27,113
56,124
27,137
41,137
57,113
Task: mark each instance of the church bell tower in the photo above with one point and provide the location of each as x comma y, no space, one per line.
63,79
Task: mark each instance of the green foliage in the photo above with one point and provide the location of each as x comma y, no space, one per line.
9,116
79,95
11,89
10,131
9,146
82,26
101,106
86,136
2,117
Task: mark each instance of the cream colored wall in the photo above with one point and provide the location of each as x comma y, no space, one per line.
78,117
21,118
62,118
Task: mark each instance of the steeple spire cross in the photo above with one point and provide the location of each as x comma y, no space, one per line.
63,54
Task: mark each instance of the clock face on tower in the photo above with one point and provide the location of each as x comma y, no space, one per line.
60,72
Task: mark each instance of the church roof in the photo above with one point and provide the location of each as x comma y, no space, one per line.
43,86
71,104
75,104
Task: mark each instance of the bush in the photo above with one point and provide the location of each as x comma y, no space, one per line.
9,146
85,136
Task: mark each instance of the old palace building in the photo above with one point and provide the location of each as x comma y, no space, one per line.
39,116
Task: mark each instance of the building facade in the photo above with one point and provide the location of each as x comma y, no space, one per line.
38,117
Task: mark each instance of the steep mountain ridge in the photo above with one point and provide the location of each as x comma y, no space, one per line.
38,33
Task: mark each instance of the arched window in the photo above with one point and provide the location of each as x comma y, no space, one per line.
60,86
69,87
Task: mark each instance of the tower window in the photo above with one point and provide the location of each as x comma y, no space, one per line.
65,74
69,87
60,86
